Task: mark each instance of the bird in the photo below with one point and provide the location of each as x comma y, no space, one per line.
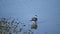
34,18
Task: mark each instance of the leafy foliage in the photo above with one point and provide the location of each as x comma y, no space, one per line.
11,25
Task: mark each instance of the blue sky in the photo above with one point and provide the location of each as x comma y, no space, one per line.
48,12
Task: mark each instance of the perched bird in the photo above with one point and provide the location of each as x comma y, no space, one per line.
34,18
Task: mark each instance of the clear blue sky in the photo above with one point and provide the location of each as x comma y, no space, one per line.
48,12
